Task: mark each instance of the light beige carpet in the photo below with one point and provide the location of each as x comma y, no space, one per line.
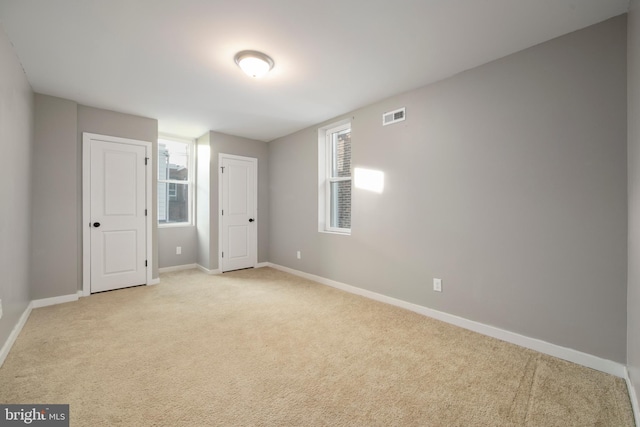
264,348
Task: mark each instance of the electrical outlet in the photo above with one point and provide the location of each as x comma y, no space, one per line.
299,255
178,250
437,285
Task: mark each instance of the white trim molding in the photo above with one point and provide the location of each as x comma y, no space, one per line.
571,355
6,348
633,396
206,270
177,268
45,302
261,265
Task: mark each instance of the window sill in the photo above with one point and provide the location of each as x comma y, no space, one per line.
339,233
176,225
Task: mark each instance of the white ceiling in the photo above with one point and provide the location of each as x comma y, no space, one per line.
173,59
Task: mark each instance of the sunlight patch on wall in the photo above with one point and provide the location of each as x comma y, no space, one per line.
370,180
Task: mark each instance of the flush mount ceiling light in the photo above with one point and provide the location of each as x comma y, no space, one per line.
254,63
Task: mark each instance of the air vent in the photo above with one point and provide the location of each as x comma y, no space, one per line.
394,116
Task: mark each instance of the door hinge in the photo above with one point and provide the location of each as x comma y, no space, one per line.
222,168
146,263
146,159
222,212
145,212
222,254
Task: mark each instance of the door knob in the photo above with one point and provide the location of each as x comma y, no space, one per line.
96,224
251,219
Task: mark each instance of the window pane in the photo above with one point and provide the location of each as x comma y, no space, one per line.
340,204
173,160
173,203
341,154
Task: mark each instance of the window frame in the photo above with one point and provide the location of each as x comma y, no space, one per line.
325,178
189,182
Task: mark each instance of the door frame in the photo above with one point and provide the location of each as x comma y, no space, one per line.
86,203
220,194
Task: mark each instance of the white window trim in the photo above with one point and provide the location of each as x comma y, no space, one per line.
324,177
190,182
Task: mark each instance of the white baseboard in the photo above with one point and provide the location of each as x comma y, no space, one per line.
6,348
206,270
44,302
177,268
575,356
633,396
154,281
217,270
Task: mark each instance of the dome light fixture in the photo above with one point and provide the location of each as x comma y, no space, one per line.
253,63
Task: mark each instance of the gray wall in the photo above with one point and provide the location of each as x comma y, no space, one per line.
105,122
57,187
55,257
227,144
171,237
507,181
633,158
203,201
16,146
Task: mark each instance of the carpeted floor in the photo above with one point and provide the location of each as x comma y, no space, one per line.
264,348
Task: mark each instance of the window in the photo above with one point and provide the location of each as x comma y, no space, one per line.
334,166
175,181
173,191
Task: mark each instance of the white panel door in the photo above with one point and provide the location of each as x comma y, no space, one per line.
118,221
238,212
